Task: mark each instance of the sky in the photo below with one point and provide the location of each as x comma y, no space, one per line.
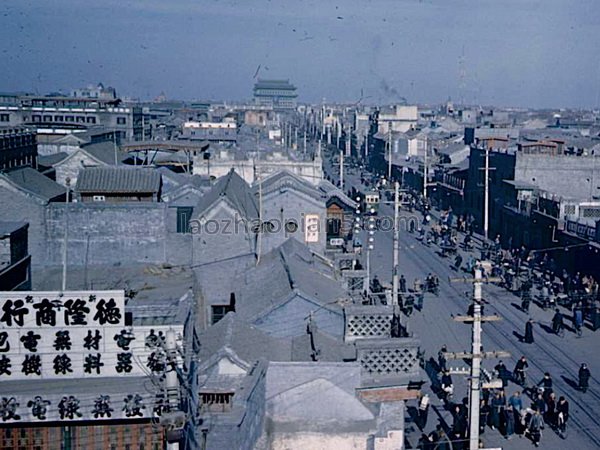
524,53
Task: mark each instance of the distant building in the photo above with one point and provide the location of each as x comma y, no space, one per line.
15,261
210,131
63,115
98,91
278,94
118,184
18,148
399,118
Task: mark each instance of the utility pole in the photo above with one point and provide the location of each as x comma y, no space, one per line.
396,269
349,142
305,142
66,245
389,151
260,215
425,169
366,147
477,353
339,134
486,193
341,170
486,199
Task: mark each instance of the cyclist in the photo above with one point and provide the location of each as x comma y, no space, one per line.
519,372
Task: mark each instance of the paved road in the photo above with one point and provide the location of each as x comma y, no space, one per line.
435,327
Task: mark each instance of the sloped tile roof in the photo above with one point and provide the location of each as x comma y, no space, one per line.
35,183
236,191
118,180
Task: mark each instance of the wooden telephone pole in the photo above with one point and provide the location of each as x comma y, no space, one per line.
477,354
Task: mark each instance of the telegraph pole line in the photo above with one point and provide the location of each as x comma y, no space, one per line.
477,354
389,151
396,269
425,169
342,170
486,193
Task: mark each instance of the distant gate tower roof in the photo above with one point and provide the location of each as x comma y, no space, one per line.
278,94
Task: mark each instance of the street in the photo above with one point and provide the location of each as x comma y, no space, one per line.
434,326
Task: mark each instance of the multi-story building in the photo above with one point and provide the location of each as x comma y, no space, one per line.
210,131
18,148
278,94
62,115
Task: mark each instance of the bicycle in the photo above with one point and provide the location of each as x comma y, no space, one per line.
520,378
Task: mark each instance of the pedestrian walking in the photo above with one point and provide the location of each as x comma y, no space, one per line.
550,417
447,384
578,317
458,262
535,427
509,420
562,414
402,282
528,338
497,409
517,405
442,359
502,373
539,404
584,378
484,415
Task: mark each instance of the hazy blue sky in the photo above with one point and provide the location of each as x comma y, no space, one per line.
540,53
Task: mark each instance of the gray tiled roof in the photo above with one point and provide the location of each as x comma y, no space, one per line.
35,183
6,228
51,160
284,178
283,273
248,342
103,151
118,180
233,188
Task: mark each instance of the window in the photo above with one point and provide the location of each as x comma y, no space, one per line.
59,118
219,311
184,214
121,120
4,117
70,119
90,119
99,198
80,119
47,118
36,118
216,402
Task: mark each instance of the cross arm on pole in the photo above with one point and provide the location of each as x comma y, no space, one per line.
474,280
485,355
494,318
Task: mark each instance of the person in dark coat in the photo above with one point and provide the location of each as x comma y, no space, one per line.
459,427
535,427
562,413
509,420
402,282
484,415
497,409
550,417
546,384
584,377
539,404
503,373
528,339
